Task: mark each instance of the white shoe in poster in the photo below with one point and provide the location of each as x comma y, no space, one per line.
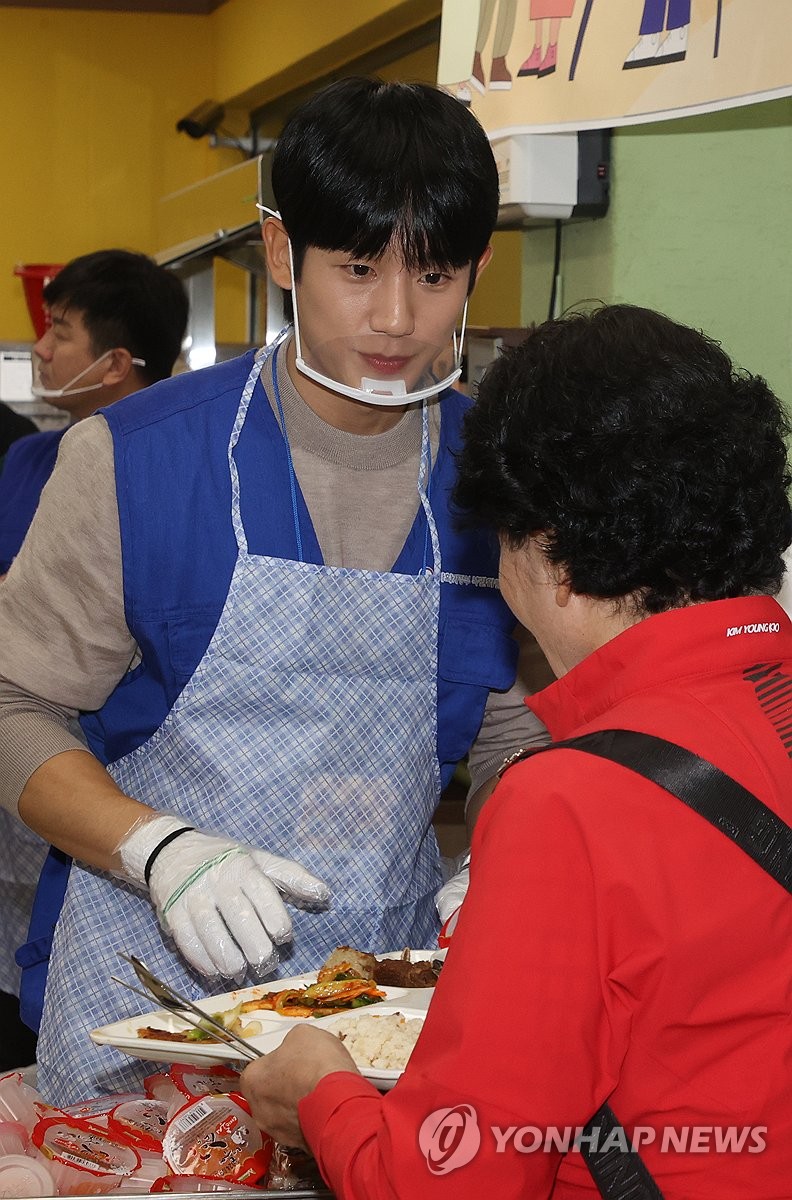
643,53
674,48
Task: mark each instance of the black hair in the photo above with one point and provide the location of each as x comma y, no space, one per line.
126,300
364,163
645,464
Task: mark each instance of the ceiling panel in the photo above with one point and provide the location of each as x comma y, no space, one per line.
141,6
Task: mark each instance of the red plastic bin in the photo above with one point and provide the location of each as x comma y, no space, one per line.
35,277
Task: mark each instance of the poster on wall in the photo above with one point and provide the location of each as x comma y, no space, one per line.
553,65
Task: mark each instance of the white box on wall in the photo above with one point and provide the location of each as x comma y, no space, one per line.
547,177
538,172
16,376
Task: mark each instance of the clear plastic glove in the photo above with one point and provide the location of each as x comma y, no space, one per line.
448,900
219,899
451,894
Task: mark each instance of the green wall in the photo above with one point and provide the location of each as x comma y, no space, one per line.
700,227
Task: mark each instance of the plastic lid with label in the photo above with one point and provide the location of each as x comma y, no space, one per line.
216,1135
203,1081
78,1144
97,1109
140,1122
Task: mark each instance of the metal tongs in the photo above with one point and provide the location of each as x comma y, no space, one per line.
165,995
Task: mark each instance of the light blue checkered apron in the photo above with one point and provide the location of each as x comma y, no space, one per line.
309,728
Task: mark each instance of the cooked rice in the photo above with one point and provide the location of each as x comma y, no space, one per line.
384,1042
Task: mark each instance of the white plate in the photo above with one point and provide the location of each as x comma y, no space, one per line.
123,1034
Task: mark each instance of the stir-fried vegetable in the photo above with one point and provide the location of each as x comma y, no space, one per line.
319,1000
231,1019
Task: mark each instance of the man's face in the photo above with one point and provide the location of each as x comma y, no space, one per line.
64,351
376,319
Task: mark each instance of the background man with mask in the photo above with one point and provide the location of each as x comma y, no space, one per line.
295,641
118,321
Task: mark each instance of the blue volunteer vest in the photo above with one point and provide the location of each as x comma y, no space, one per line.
178,551
28,465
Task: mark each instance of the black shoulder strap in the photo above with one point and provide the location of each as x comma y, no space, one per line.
706,789
620,1173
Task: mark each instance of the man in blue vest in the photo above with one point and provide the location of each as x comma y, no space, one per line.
117,321
20,1044
292,640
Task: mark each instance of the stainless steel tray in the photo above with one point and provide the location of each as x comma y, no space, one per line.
247,1194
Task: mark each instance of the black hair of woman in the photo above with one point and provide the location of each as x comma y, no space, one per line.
647,465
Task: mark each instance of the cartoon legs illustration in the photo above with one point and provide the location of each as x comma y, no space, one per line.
539,62
500,76
651,49
457,45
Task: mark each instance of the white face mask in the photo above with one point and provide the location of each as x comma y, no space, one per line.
380,381
68,389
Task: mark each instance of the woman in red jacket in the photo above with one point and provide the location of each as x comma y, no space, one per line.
614,947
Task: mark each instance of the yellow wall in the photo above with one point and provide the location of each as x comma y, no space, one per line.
88,147
87,140
264,48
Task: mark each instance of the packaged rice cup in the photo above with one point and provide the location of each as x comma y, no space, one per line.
100,1105
203,1081
18,1101
82,1158
140,1122
160,1086
13,1138
152,1167
98,1109
23,1176
216,1136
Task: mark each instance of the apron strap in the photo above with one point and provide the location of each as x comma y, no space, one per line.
424,467
244,404
289,459
424,488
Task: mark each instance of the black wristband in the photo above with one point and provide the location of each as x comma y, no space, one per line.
166,841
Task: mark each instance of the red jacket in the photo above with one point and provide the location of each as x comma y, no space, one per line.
613,946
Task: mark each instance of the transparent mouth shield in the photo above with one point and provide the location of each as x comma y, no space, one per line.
379,370
44,393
